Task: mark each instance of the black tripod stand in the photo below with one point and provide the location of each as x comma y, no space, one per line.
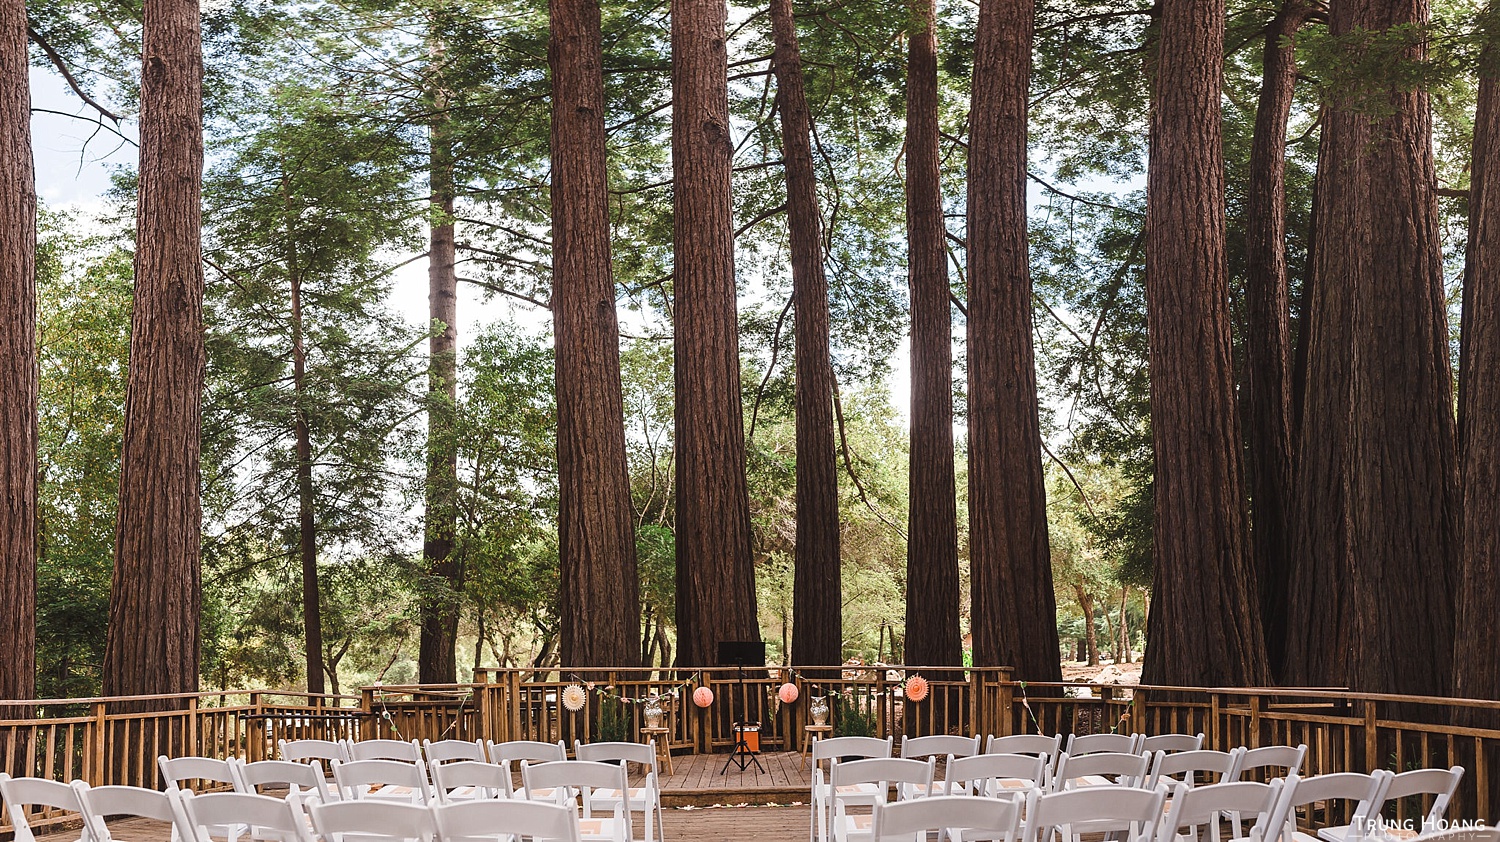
740,655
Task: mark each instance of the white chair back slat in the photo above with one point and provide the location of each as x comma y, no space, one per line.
515,751
1097,809
1366,792
489,820
1106,767
303,750
1169,743
384,780
1440,784
373,821
1204,806
447,751
1189,766
1289,758
958,818
405,751
179,771
102,802
938,745
994,775
297,777
1079,745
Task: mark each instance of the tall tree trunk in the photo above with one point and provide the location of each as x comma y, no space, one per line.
932,636
1125,655
1268,338
312,624
1014,611
18,364
152,643
437,660
598,585
1090,625
1206,627
816,590
1475,675
1385,428
715,571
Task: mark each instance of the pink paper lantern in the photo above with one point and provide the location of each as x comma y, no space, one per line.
787,693
703,697
916,688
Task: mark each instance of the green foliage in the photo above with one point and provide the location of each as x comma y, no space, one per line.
850,719
614,721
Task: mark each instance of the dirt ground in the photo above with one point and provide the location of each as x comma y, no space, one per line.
1106,673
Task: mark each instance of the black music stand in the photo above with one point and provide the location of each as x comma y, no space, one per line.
740,654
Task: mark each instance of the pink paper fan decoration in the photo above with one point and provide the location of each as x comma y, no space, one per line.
703,697
916,688
787,693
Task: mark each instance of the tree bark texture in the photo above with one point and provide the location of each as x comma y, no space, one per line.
598,586
1205,622
1013,613
153,641
817,609
932,636
715,571
437,659
1475,638
1391,546
18,363
1268,379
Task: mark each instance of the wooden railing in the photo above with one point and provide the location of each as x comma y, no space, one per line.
92,739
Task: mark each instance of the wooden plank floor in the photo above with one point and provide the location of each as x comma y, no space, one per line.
701,776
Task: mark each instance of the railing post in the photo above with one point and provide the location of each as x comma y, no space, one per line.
192,728
96,746
1372,742
1256,704
1006,703
369,729
257,730
1215,734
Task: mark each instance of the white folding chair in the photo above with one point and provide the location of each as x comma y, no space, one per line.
1107,767
851,781
1193,808
1168,743
102,802
565,778
469,780
292,776
994,775
381,780
1046,747
21,793
1099,743
1099,809
406,751
1287,758
1438,783
492,820
831,750
447,751
1191,766
644,799
936,745
299,751
955,817
258,817
373,821
517,751
1366,792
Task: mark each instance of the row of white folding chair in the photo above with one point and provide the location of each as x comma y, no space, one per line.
1136,814
867,783
829,751
644,799
281,820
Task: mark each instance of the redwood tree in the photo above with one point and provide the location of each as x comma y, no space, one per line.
1010,561
715,571
18,363
932,546
1205,620
152,643
1268,381
1384,412
1475,675
817,610
437,660
597,587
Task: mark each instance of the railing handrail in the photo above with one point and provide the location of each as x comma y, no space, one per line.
201,694
1290,692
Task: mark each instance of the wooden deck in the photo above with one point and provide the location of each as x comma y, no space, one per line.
696,780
